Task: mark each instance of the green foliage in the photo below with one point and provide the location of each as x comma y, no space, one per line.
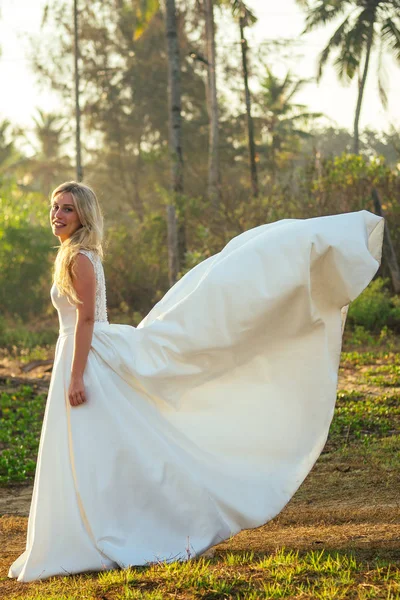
344,183
383,376
22,415
25,240
137,269
360,336
8,154
136,257
358,416
352,359
24,266
127,161
14,335
375,308
282,122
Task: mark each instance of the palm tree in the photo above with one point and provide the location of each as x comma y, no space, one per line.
79,168
366,24
246,18
281,118
175,135
144,12
50,132
49,163
214,187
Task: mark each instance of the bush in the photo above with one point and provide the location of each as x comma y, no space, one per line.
25,252
375,308
14,335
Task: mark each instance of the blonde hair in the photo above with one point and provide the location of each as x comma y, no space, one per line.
88,237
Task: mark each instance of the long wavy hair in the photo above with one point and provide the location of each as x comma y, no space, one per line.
88,237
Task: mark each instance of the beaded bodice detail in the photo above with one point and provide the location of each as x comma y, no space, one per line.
101,300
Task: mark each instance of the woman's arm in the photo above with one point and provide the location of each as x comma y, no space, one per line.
85,285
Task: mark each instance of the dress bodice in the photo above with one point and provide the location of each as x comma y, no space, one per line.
67,312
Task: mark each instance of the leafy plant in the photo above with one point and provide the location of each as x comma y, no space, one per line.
375,308
22,414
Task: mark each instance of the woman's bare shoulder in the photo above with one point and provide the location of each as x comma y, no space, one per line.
91,255
84,265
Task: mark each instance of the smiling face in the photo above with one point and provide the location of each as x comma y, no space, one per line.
63,216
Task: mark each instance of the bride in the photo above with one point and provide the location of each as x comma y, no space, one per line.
162,440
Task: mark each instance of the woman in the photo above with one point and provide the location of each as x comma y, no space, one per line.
160,441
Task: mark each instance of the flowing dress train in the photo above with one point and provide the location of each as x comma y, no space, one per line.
205,418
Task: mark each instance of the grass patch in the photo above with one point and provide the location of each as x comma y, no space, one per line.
282,574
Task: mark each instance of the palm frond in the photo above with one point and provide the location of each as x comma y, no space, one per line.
274,90
324,12
336,40
296,88
286,83
354,46
302,134
358,36
390,34
382,77
145,10
304,116
346,65
241,11
45,15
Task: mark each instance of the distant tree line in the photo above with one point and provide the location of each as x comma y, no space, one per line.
181,172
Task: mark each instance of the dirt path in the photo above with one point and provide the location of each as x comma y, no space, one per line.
15,500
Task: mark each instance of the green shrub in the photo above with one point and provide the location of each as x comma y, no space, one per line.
14,335
375,308
25,251
22,416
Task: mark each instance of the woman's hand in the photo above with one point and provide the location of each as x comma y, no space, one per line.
76,392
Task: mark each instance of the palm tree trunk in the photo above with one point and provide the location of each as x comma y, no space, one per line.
175,137
136,179
250,125
388,249
214,192
79,168
362,85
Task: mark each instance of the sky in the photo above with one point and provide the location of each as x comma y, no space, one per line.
21,95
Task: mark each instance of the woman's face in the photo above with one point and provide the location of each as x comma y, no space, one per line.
63,216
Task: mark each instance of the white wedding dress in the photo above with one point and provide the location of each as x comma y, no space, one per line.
205,418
